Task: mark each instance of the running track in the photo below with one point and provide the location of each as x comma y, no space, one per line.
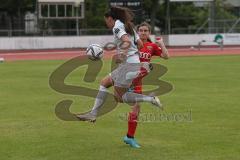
70,53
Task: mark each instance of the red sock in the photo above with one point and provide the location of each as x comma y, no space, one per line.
132,124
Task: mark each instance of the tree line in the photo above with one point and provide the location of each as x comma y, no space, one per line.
158,13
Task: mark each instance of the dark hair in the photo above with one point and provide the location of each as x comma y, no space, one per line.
148,26
125,15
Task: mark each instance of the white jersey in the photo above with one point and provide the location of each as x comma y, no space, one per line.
118,32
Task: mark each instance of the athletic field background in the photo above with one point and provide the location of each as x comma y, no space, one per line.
208,87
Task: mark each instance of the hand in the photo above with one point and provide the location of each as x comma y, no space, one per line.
159,41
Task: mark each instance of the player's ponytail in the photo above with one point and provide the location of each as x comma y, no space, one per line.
125,15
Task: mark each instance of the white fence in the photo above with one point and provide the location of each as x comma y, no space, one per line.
194,39
18,43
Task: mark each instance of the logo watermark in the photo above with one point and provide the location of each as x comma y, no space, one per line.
58,76
160,117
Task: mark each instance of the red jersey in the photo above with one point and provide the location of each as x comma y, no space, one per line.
149,49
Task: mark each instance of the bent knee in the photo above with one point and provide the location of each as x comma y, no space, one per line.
106,82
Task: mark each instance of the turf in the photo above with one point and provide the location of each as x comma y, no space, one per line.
206,87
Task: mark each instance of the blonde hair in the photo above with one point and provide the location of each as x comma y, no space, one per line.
146,25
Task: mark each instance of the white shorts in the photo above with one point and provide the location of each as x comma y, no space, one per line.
125,73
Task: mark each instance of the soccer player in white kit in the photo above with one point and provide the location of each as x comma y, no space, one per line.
128,42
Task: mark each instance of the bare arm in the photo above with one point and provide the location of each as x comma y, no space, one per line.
123,50
139,44
161,44
125,44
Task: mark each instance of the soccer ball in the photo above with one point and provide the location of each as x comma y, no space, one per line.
94,52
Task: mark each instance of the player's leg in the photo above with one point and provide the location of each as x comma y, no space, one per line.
132,98
121,83
123,96
132,126
118,92
133,120
133,116
102,93
99,100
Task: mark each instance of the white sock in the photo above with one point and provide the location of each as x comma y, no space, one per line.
101,96
130,97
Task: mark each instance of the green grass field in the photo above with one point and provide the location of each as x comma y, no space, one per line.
208,86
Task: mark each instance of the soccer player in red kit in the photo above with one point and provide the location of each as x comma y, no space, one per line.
150,49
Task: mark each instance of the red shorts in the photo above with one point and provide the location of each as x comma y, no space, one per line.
137,82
